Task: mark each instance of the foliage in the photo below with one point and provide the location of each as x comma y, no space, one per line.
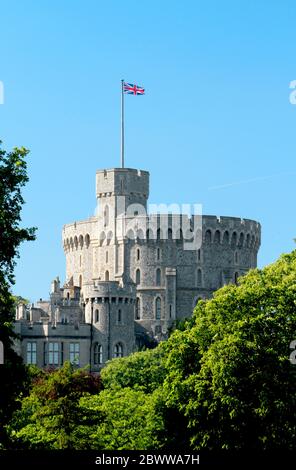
13,176
127,419
51,412
143,370
229,374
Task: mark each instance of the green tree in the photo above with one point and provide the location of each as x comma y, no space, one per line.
143,370
50,414
229,373
13,176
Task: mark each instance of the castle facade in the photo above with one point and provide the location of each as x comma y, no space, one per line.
131,275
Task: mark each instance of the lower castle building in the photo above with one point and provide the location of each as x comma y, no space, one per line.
131,276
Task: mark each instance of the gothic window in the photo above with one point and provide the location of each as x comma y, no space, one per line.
118,350
107,276
226,238
98,354
87,240
138,254
158,254
32,353
234,239
97,316
138,307
217,237
75,353
158,308
208,236
158,277
241,239
138,276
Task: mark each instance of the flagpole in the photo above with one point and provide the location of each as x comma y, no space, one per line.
122,125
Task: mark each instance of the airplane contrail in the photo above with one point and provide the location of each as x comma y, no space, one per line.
251,180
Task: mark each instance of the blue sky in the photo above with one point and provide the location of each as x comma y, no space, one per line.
216,111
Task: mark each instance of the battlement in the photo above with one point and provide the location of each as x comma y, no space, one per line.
122,182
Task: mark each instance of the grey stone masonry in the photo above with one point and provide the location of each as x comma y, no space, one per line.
131,275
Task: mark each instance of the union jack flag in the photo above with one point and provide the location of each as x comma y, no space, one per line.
131,89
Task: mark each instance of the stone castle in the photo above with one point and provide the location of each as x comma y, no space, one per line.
131,275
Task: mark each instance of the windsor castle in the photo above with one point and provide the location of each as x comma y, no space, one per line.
131,275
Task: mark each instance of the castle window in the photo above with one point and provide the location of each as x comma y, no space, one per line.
226,238
198,255
118,350
170,311
248,240
158,277
138,309
107,256
236,278
53,354
234,239
138,254
158,254
217,237
106,216
170,234
107,276
236,257
208,236
80,282
119,316
241,239
32,353
98,354
75,353
158,234
87,240
138,276
199,277
97,316
158,308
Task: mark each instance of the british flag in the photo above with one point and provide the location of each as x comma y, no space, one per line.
131,89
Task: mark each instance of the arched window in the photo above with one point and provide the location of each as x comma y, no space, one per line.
138,254
248,240
241,239
138,309
199,277
158,308
208,236
87,240
98,354
119,316
138,276
226,238
158,277
97,316
118,350
217,237
107,276
234,239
